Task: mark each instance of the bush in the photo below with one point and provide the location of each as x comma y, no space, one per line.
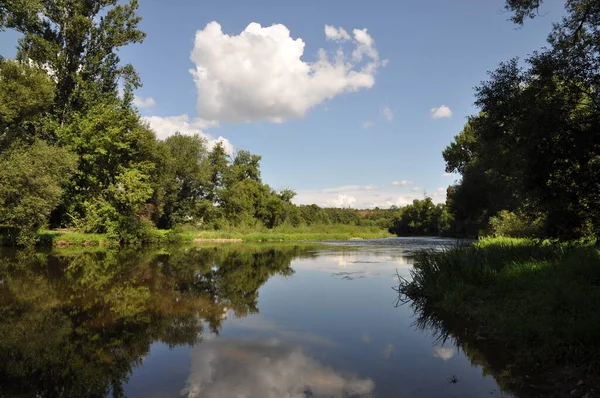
31,186
515,225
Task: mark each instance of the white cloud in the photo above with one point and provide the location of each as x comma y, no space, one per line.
338,34
165,127
444,353
367,124
141,102
342,201
447,174
366,196
387,113
439,194
260,75
388,350
403,183
269,369
441,112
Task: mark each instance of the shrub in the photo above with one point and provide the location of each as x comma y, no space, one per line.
515,225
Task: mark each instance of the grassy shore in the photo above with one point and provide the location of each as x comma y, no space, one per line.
64,238
301,233
540,301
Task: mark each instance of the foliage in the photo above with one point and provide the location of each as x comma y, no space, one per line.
26,95
64,89
515,225
77,42
183,180
31,185
77,323
539,299
422,218
534,145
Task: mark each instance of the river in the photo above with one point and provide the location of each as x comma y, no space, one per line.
240,320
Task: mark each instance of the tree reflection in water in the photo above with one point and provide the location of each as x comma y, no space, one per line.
454,335
76,324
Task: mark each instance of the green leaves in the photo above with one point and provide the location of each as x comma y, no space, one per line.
31,182
531,147
26,95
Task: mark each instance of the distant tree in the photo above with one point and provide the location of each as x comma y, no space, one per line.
421,218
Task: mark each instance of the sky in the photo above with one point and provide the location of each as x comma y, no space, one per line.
349,103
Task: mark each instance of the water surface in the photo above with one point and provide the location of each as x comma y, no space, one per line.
227,321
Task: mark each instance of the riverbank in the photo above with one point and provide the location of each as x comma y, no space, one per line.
538,300
66,238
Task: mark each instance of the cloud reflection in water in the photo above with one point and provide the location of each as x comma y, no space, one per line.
269,369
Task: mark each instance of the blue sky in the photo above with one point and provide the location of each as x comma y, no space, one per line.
342,130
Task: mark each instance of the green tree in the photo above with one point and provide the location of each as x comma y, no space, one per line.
244,166
218,163
26,95
108,139
421,218
77,42
31,186
184,179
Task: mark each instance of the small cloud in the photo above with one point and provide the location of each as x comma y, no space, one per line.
165,127
387,113
447,174
388,350
142,102
337,34
367,125
441,112
444,353
343,201
439,194
385,62
403,183
417,189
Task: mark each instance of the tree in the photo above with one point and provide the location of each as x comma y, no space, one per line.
533,149
245,165
184,178
31,186
218,162
26,95
421,218
108,139
77,42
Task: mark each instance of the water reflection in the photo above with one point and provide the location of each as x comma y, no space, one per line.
454,335
186,321
269,369
76,324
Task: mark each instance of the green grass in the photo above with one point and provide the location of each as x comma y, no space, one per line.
288,233
541,300
64,238
71,238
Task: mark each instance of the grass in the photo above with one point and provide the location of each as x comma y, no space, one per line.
65,238
71,238
541,300
301,233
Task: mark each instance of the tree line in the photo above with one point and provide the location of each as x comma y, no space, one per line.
75,153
